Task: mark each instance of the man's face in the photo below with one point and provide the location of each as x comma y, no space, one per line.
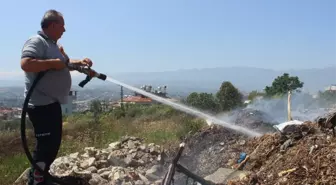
58,28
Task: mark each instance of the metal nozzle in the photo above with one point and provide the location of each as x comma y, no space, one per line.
90,73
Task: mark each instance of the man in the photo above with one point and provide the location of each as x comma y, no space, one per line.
41,53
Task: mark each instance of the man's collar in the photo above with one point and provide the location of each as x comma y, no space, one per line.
45,36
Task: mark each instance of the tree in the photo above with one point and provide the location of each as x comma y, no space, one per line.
254,94
96,107
282,84
203,101
193,99
229,96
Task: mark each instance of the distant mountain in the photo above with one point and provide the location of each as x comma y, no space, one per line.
210,79
244,78
11,83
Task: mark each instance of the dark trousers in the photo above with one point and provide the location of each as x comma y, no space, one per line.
47,123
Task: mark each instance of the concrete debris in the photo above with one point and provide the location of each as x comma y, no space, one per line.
123,162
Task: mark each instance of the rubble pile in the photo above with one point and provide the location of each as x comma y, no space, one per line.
128,161
301,154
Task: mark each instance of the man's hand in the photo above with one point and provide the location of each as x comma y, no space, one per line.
87,62
84,62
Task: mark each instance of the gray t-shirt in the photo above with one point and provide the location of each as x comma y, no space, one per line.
55,85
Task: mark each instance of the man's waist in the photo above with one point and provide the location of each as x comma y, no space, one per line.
44,106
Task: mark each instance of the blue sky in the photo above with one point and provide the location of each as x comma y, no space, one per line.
144,35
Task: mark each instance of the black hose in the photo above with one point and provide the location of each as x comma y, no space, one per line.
23,131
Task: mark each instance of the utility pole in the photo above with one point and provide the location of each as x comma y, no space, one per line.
289,106
289,113
121,97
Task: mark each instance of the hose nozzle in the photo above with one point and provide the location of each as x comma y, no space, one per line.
90,73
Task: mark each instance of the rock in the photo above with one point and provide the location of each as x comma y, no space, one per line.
115,161
97,180
242,142
92,169
132,162
152,177
155,170
88,162
130,144
139,182
100,171
101,164
143,147
158,182
144,179
84,174
23,177
224,174
91,151
74,155
132,151
105,174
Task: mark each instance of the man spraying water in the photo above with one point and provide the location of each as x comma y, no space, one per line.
42,53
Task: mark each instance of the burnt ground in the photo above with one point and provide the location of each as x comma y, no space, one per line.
212,148
301,154
216,146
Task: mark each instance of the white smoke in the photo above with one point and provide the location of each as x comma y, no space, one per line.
303,107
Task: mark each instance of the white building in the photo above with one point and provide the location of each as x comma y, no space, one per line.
68,108
331,88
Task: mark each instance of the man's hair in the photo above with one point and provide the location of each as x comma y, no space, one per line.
49,17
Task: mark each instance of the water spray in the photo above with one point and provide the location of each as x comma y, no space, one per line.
187,109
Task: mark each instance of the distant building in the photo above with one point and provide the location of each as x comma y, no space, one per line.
8,113
331,88
138,98
68,108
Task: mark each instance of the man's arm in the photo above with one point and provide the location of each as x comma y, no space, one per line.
30,58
